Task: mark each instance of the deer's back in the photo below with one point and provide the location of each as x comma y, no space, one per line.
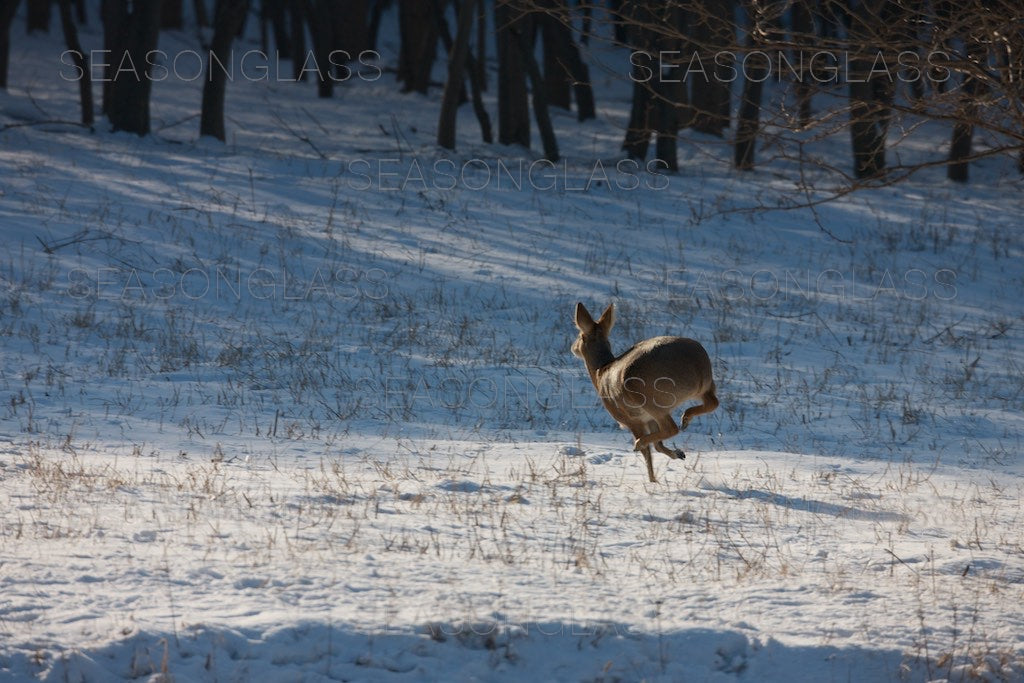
661,372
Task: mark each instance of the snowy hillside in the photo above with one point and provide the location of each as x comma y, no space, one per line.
301,406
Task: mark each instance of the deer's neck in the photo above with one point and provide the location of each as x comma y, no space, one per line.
597,357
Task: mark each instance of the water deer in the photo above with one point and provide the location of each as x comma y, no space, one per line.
644,385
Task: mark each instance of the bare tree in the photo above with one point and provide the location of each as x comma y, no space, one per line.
274,18
351,28
555,39
460,61
540,101
321,29
749,118
38,16
481,44
712,32
970,79
228,16
652,32
456,67
297,16
967,114
870,92
418,28
202,16
644,70
8,8
172,14
81,61
131,30
565,71
516,27
373,27
513,105
803,37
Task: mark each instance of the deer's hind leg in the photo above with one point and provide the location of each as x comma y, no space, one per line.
663,428
710,402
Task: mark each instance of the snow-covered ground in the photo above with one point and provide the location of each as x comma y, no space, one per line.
301,406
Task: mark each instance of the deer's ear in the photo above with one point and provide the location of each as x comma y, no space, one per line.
584,321
607,319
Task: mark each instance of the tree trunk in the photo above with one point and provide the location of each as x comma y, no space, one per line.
912,17
476,87
471,68
869,108
131,36
296,10
585,29
110,13
454,85
866,130
803,35
513,105
481,44
555,39
963,133
376,14
171,14
671,104
725,37
685,113
38,16
563,66
8,8
619,22
636,22
638,130
81,61
666,126
274,13
482,117
713,32
655,96
228,16
748,120
585,107
418,31
321,30
963,128
351,27
540,102
202,16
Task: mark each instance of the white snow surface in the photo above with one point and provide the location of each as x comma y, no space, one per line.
301,406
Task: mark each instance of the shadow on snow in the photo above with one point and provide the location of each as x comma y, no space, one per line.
487,650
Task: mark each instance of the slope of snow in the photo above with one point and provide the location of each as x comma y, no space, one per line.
301,406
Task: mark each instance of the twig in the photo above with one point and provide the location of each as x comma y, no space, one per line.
44,122
81,236
944,330
299,136
900,560
811,205
177,123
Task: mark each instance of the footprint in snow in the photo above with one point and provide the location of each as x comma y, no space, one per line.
464,486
